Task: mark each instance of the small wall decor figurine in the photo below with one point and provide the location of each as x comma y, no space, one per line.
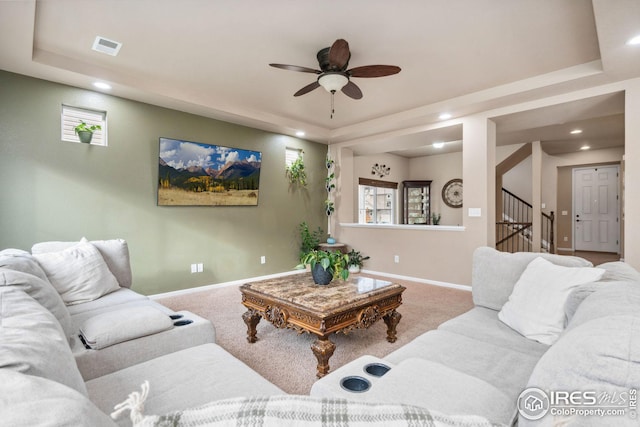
380,170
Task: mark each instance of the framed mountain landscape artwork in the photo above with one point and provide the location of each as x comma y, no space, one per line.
196,174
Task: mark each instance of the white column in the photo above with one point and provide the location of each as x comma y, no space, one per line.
536,195
632,175
478,176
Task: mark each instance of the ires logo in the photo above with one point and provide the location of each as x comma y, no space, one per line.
574,398
534,403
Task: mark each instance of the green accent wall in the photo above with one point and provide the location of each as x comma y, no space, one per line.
55,190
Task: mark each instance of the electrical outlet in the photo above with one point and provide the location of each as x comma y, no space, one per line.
194,268
200,268
263,259
566,239
396,259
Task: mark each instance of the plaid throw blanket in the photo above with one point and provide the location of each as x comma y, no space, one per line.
279,411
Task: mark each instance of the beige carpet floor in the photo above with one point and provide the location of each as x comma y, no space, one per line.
285,358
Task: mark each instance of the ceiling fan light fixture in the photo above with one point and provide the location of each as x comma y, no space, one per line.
333,82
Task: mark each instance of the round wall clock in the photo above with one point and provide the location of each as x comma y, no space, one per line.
452,193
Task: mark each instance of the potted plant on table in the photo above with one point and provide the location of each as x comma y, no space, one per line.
85,132
355,261
326,265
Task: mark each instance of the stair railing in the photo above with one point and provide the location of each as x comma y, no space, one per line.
514,231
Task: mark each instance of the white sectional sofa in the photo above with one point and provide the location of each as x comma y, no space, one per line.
477,364
470,371
49,377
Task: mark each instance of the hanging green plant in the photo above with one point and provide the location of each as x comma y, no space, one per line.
296,172
329,185
329,207
329,162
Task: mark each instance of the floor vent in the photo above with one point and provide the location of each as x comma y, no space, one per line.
104,45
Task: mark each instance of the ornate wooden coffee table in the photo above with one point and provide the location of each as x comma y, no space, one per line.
295,302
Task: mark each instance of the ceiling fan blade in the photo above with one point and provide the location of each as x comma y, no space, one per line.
374,71
352,90
296,68
308,88
339,55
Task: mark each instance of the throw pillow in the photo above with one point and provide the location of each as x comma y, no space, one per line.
78,273
115,253
535,308
495,273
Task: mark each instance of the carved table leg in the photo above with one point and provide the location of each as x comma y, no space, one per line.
392,319
251,318
323,350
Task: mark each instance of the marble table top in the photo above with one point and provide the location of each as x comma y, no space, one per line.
300,289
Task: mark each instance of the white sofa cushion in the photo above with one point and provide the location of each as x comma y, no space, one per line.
105,302
186,378
32,341
79,273
495,273
113,327
114,251
620,298
536,306
601,356
437,387
42,291
17,259
33,401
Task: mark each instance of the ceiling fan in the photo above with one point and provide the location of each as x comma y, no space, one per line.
333,74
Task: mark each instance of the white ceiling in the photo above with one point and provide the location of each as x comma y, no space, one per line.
461,56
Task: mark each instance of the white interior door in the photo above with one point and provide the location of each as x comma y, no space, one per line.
596,209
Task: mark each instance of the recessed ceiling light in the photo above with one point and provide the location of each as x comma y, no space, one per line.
634,40
438,144
444,116
576,131
300,133
585,147
102,85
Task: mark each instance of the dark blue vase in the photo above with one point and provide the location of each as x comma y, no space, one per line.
321,276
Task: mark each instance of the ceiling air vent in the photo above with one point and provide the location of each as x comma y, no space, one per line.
104,45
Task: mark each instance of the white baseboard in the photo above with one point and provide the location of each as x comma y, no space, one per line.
420,280
565,250
224,284
291,273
